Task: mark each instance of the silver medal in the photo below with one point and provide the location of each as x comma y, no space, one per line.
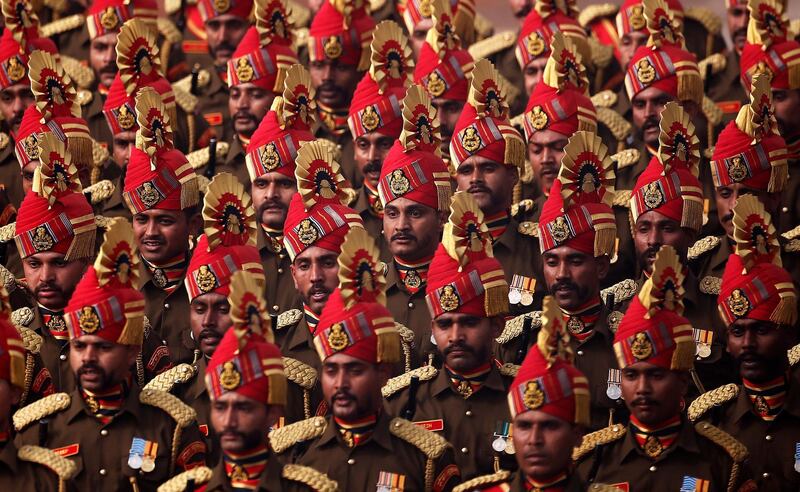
514,297
614,391
499,444
135,461
527,298
704,350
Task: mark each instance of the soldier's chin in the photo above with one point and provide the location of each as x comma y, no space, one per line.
92,380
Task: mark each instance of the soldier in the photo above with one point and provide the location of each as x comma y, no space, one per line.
161,193
375,120
359,445
94,423
419,19
488,153
467,298
339,54
245,379
659,450
270,162
759,304
253,87
725,88
315,228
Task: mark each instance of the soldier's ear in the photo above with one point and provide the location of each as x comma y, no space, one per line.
603,266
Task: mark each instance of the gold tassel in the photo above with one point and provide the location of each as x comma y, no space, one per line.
82,245
785,312
683,357
444,194
190,193
495,300
605,238
277,389
366,53
690,87
779,174
389,347
515,151
172,113
17,369
582,409
794,75
191,131
80,147
692,216
133,332
516,194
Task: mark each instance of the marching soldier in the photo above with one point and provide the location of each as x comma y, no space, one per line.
759,304
359,445
464,398
725,87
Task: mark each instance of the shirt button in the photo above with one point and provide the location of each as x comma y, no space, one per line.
275,308
166,305
63,356
580,352
769,437
411,305
351,461
785,209
465,450
765,474
104,432
653,468
468,413
103,471
280,270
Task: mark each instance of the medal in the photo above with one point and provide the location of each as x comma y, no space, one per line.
702,339
499,444
149,458
136,453
502,431
521,290
797,457
614,391
704,350
135,461
510,446
527,298
514,297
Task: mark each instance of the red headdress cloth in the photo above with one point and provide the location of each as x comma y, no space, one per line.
669,184
754,284
107,16
20,38
769,49
630,17
578,211
341,30
355,320
462,11
547,381
247,361
107,302
12,348
653,329
210,9
545,19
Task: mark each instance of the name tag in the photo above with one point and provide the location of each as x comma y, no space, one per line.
431,425
729,106
213,119
204,429
623,486
69,450
195,46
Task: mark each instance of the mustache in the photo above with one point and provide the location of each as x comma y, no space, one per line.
343,395
564,284
650,122
110,68
739,32
271,203
478,189
244,114
318,289
458,346
373,167
328,85
403,235
47,286
642,400
225,46
206,333
91,366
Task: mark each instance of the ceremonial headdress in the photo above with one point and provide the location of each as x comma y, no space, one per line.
107,16
265,53
769,49
210,9
415,11
376,101
750,150
55,216
547,381
318,214
20,38
341,30
355,320
274,145
228,242
443,65
413,168
484,128
545,19
247,361
664,62
158,175
669,184
464,275
578,213
754,284
560,102
107,302
630,17
653,329
12,348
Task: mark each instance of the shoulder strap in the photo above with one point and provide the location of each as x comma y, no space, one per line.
315,480
509,370
598,438
299,373
199,158
493,44
180,412
622,291
285,437
288,318
169,378
40,409
514,326
730,444
22,317
397,383
483,481
200,475
430,443
713,398
64,468
62,25
31,340
703,246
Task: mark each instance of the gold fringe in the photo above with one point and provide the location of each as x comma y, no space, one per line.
582,409
81,149
690,87
18,372
692,215
794,76
82,245
192,130
30,363
190,193
133,333
389,347
172,112
444,195
495,300
515,151
277,389
778,176
785,312
683,357
605,238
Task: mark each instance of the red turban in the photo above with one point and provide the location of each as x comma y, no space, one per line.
769,49
538,29
210,9
334,35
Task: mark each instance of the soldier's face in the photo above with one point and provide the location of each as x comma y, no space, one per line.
103,57
241,422
369,151
490,183
419,34
654,230
161,235
352,387
14,101
27,175
123,143
545,151
52,278
533,72
737,17
726,197
99,364
465,340
248,104
411,229
9,398
544,443
628,44
448,111
315,272
209,318
787,112
573,276
335,82
647,107
653,394
760,348
225,32
272,194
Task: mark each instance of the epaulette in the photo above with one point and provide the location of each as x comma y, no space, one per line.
22,317
287,436
169,30
376,5
64,468
792,233
199,158
100,191
794,355
199,476
707,18
180,412
598,438
627,157
491,45
430,443
528,228
81,74
406,333
622,290
171,7
299,373
518,120
350,193
58,6
592,13
521,207
288,318
99,153
702,246
715,63
185,100
622,198
185,84
62,25
712,111
483,481
103,222
713,398
509,370
710,285
169,378
84,96
7,232
601,487
601,53
40,409
300,37
8,279
730,444
514,326
615,122
613,319
792,246
31,340
483,26
315,480
301,15
4,140
604,99
397,383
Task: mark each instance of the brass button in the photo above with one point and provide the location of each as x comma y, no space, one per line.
166,305
653,468
275,308
765,474
411,305
103,471
769,437
580,352
104,432
468,413
280,270
465,450
351,461
785,209
63,356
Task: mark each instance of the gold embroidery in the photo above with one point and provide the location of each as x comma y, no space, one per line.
230,378
370,119
738,303
244,70
88,321
333,48
448,299
641,348
533,396
398,183
337,337
206,280
109,18
471,140
645,71
42,239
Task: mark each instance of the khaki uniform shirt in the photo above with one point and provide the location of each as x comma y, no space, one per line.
790,200
169,322
235,163
51,367
372,223
213,105
194,394
469,424
519,254
726,88
298,344
24,476
410,310
270,481
279,290
92,112
10,172
517,482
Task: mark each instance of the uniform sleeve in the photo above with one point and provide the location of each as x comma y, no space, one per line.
192,449
446,473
